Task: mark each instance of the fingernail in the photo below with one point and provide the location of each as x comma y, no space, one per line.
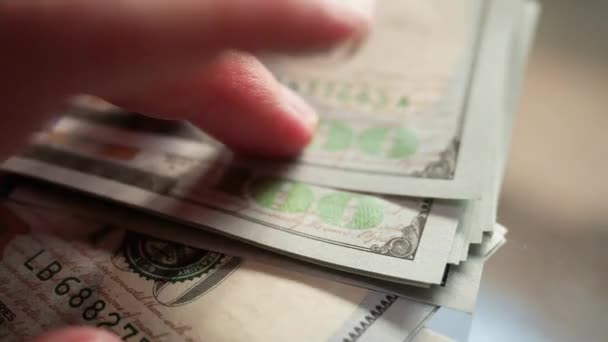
299,108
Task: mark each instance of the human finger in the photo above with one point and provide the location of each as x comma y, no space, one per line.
234,99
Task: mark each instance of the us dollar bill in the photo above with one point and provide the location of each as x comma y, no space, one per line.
458,292
480,215
59,268
525,27
395,116
394,238
196,182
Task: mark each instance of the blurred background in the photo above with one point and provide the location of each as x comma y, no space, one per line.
550,282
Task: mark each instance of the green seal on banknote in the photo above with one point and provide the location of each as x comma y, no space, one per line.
167,261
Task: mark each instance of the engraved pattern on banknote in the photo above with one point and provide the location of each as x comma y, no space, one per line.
168,263
405,245
444,167
374,314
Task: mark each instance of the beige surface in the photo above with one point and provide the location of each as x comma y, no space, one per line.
550,282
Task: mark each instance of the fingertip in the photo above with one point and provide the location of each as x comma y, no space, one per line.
283,132
297,139
252,113
77,334
238,102
274,129
301,110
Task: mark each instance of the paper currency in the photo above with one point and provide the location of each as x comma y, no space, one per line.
423,108
522,42
146,289
398,239
459,291
433,148
392,114
482,213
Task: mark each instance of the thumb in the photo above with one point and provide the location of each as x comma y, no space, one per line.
77,334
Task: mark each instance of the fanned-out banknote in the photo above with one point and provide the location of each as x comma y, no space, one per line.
145,289
389,214
392,114
171,171
459,291
393,238
480,215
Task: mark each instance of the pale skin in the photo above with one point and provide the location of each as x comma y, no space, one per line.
171,59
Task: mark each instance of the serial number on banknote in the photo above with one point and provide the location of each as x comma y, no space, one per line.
80,297
358,96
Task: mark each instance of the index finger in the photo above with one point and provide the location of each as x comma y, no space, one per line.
54,48
91,43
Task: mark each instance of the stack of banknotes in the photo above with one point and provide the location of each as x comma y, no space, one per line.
389,214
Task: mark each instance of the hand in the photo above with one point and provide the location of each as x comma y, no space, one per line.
172,59
168,59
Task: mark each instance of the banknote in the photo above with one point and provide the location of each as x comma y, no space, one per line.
484,210
435,144
90,272
492,92
172,166
393,238
479,215
522,42
460,239
393,111
458,292
138,132
109,123
404,239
